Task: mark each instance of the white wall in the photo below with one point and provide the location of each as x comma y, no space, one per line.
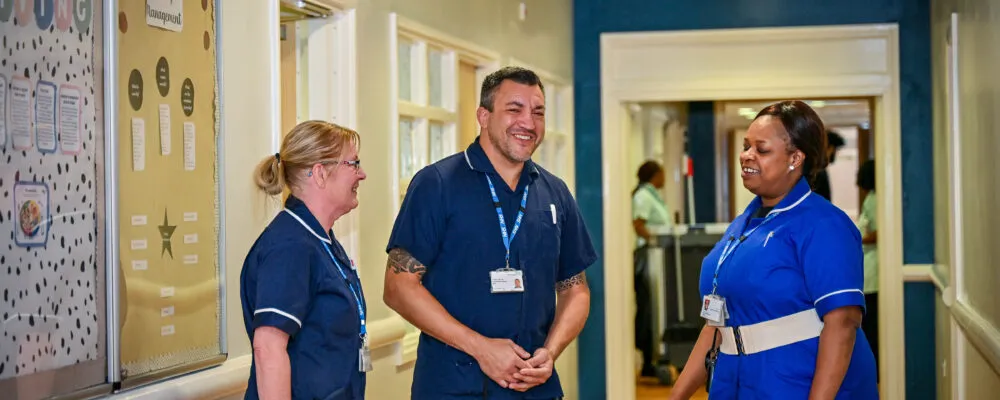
658,133
844,171
971,321
249,45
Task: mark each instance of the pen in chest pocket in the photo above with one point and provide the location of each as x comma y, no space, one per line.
552,208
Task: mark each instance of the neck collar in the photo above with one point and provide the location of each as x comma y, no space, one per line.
476,159
796,196
298,210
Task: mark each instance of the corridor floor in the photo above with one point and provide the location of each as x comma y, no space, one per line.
650,389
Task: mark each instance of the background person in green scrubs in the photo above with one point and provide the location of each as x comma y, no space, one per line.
648,208
869,243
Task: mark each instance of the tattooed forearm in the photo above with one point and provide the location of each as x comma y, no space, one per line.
400,261
578,279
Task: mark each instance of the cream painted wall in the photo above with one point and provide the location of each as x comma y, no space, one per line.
246,95
978,93
249,48
543,39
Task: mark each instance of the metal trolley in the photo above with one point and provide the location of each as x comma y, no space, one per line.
674,268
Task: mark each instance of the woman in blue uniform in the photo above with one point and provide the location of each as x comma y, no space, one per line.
782,291
303,307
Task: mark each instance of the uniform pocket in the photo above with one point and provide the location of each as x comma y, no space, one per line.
545,240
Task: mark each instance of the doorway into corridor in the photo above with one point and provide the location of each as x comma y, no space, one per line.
737,66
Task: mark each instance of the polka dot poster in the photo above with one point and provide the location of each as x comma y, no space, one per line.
51,290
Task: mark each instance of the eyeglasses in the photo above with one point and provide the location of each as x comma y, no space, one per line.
356,164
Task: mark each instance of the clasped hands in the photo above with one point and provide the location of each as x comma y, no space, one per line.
511,366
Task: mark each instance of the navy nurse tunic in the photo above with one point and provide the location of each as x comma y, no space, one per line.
449,223
290,282
807,256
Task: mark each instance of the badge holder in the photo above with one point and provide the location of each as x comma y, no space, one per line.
365,356
506,280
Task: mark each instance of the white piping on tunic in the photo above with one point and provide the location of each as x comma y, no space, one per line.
836,293
325,240
279,312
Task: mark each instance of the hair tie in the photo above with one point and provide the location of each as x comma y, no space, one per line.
277,156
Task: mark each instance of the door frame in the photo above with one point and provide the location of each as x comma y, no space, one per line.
738,64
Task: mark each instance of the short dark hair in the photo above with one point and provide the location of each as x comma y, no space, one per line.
517,74
866,175
834,139
805,133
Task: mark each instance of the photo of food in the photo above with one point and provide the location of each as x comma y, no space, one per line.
31,203
30,217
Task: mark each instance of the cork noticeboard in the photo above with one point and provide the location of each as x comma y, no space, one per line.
168,180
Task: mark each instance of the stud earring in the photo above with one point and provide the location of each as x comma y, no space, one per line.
791,167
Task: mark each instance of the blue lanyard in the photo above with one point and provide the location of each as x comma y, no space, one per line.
357,298
731,246
503,225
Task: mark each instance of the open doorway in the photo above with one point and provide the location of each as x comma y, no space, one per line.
699,66
848,122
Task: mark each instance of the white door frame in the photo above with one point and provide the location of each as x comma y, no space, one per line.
741,64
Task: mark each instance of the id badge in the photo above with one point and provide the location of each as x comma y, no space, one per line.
506,281
365,358
713,310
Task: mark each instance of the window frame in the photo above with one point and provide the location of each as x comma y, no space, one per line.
417,108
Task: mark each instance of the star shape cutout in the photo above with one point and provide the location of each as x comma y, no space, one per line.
166,232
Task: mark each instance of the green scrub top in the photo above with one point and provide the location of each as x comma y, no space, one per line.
647,204
867,224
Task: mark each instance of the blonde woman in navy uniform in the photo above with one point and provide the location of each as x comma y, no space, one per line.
303,306
783,288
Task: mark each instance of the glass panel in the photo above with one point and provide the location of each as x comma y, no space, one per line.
560,161
539,156
406,161
405,68
554,114
170,318
52,317
438,141
435,61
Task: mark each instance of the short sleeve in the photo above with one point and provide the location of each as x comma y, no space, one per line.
576,251
833,263
869,210
642,208
283,289
420,224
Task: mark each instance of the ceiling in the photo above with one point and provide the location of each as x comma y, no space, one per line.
834,112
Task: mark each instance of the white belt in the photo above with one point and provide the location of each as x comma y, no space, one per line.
763,336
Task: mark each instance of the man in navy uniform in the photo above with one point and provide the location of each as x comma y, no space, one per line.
487,258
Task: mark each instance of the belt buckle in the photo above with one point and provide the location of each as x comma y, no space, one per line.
739,341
